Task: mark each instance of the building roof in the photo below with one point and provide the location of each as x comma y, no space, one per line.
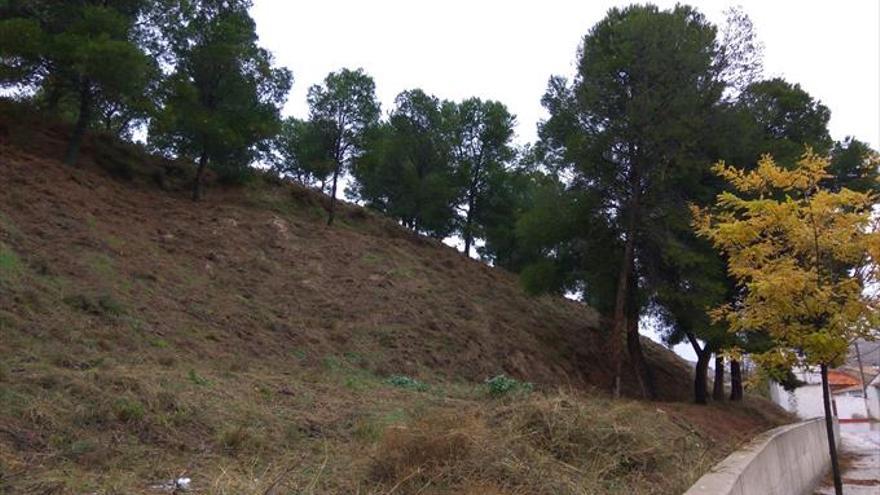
841,379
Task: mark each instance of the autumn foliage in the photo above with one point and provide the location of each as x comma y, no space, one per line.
803,258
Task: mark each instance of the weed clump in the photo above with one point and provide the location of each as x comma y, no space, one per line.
102,305
238,439
197,379
502,385
128,411
406,382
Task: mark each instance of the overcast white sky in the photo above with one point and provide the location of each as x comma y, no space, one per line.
506,50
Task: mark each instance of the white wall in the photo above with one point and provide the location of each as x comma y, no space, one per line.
789,460
874,400
849,407
804,401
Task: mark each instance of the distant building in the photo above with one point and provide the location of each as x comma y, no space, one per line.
874,398
848,400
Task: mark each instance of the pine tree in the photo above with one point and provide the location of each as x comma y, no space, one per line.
87,52
631,130
479,134
345,109
406,170
223,97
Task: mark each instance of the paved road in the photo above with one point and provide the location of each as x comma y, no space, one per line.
861,475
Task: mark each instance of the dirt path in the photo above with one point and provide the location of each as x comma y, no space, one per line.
861,476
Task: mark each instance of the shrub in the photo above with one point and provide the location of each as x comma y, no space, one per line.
404,381
234,175
116,162
501,385
128,410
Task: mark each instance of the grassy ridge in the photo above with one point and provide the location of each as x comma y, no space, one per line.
242,343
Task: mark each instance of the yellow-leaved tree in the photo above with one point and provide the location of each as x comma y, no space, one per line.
804,261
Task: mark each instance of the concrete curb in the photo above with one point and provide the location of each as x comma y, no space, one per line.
789,460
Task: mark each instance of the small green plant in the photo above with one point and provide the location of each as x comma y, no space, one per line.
79,448
128,410
502,384
371,258
103,305
197,379
406,382
102,265
10,263
158,343
332,363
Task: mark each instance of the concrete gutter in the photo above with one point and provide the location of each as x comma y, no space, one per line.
789,460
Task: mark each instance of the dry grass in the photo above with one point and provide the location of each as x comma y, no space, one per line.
561,443
243,344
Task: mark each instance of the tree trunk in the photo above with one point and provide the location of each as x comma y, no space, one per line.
829,430
54,95
200,173
701,375
332,212
641,368
82,121
619,333
718,386
468,227
736,384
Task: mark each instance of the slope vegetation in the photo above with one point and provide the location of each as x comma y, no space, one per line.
241,343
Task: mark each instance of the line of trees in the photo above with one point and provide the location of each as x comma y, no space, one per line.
596,208
660,95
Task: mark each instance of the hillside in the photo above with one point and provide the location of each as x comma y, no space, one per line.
242,343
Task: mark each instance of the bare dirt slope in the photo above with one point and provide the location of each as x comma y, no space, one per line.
243,342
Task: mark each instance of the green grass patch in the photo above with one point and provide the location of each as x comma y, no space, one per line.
372,258
197,379
502,385
403,381
158,343
128,410
10,264
370,428
100,264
